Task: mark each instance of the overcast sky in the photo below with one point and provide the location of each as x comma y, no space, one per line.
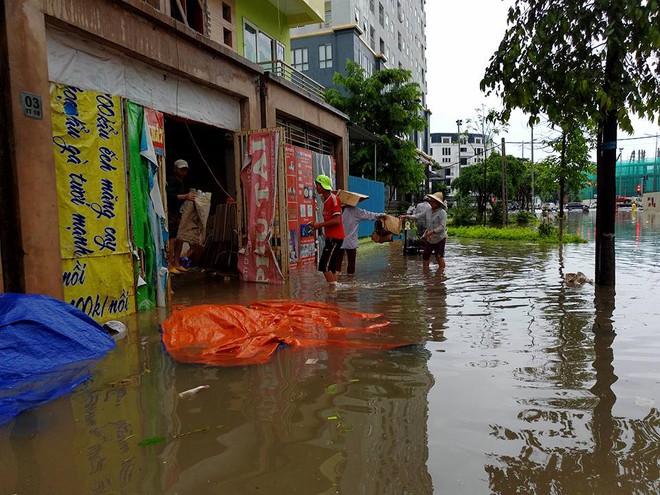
461,37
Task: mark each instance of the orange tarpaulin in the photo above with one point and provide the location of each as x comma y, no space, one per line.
230,335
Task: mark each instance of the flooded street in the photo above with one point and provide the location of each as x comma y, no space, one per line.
519,384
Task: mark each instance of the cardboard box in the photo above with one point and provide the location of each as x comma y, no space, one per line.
393,224
350,198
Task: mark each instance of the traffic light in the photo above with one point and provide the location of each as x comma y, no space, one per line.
639,188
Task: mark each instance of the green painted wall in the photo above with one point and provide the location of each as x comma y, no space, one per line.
264,16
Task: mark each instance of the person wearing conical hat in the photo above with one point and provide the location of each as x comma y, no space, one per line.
351,218
435,235
332,227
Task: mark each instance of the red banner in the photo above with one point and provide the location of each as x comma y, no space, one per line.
300,206
256,260
156,130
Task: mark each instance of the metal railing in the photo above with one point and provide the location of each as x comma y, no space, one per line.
297,78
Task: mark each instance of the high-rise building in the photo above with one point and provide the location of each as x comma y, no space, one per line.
376,34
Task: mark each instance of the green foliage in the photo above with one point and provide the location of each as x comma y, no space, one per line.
496,214
523,217
389,104
552,60
472,184
463,214
512,234
546,229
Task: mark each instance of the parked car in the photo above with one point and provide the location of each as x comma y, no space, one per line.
576,206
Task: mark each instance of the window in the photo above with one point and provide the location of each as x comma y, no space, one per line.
382,45
190,13
446,140
260,47
446,160
300,59
381,15
250,42
372,38
226,12
464,161
477,140
478,151
463,149
372,6
264,47
279,51
399,42
325,56
446,151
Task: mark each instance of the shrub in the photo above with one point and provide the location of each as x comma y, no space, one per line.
546,229
496,216
463,215
523,217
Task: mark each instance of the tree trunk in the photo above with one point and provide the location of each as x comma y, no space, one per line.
605,213
606,158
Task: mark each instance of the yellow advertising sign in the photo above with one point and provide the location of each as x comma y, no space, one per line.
92,202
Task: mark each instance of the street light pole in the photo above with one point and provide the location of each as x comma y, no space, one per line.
459,122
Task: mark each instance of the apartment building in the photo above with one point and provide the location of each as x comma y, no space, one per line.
376,34
454,154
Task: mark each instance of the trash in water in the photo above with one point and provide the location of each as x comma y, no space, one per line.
115,329
151,441
189,393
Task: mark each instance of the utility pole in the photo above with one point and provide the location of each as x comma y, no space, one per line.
531,143
505,202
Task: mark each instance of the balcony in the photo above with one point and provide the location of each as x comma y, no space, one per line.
298,79
301,12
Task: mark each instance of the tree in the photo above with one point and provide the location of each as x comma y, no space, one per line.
471,184
596,60
485,123
389,105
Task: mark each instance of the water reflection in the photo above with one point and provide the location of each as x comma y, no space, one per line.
621,456
520,383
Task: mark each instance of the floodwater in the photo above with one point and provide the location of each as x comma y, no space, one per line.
519,384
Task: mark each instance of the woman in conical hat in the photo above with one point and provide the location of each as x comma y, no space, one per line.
435,235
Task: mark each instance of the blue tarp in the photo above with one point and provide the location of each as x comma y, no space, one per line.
47,347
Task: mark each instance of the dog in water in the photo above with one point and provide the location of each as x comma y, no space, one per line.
577,279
